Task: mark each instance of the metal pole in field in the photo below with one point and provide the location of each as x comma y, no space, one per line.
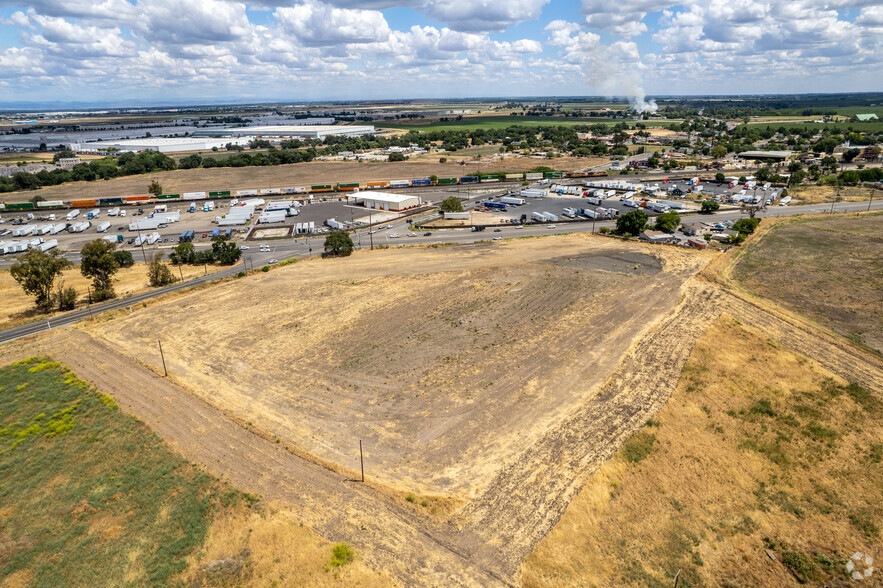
180,271
370,228
161,354
90,301
362,460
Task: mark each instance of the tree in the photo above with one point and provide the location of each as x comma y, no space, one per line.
99,263
36,271
158,273
451,204
124,258
851,154
720,178
718,151
442,159
746,225
184,252
225,251
631,223
710,206
338,243
668,222
154,188
396,156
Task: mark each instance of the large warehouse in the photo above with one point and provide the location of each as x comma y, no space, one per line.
391,202
161,144
289,131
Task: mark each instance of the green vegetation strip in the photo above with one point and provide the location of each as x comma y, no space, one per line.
88,495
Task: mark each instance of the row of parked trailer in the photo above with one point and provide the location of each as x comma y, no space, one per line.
9,247
140,200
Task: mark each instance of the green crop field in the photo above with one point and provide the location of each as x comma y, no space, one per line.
88,495
859,127
502,122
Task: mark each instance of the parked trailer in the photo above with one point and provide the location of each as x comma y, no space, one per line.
591,213
539,217
784,201
512,200
114,211
79,227
103,227
495,205
47,245
673,204
279,205
532,193
144,224
23,231
232,221
550,217
186,236
456,215
569,212
335,224
58,228
140,240
273,216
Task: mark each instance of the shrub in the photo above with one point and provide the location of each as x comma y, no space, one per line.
67,298
410,497
639,447
341,555
265,269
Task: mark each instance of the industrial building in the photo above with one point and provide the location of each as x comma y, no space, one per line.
782,155
389,202
289,131
161,144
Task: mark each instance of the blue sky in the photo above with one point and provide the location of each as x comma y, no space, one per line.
216,50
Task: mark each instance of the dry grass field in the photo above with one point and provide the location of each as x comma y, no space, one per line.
16,306
758,448
298,174
827,268
428,356
819,194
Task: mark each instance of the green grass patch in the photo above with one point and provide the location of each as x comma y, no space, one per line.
89,494
341,555
639,447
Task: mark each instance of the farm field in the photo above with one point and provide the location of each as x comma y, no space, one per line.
415,362
827,268
872,127
16,306
817,194
757,449
298,174
469,123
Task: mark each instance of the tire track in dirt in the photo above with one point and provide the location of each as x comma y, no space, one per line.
837,356
530,494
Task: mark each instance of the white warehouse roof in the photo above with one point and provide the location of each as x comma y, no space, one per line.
307,131
161,144
385,201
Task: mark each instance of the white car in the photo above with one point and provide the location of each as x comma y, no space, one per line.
273,261
412,234
497,238
551,226
244,247
520,227
394,236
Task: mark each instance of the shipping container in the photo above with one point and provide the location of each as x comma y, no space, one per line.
110,201
514,176
13,206
321,188
447,181
219,194
553,175
533,176
86,203
50,204
399,183
469,180
270,191
348,187
169,197
136,199
489,178
193,195
421,182
377,185
246,192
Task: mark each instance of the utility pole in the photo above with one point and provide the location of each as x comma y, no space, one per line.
370,228
161,354
90,301
180,271
362,460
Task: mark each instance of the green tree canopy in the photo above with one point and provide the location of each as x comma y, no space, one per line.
631,223
124,258
184,252
338,243
709,206
154,188
99,263
746,225
451,204
226,252
36,271
719,177
718,151
158,273
668,222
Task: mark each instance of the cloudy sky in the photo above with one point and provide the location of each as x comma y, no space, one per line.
291,50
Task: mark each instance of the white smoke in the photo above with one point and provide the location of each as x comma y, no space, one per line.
616,70
641,106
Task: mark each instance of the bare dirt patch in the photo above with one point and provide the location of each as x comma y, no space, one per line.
819,194
757,442
426,366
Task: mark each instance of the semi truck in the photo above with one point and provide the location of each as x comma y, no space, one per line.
512,200
495,205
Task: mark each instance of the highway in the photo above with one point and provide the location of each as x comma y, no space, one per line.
253,258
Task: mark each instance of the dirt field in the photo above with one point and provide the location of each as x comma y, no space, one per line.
757,442
423,363
299,174
16,306
828,268
818,194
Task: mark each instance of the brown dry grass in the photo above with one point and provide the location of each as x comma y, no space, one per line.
828,268
284,552
409,354
16,306
299,174
819,194
723,474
